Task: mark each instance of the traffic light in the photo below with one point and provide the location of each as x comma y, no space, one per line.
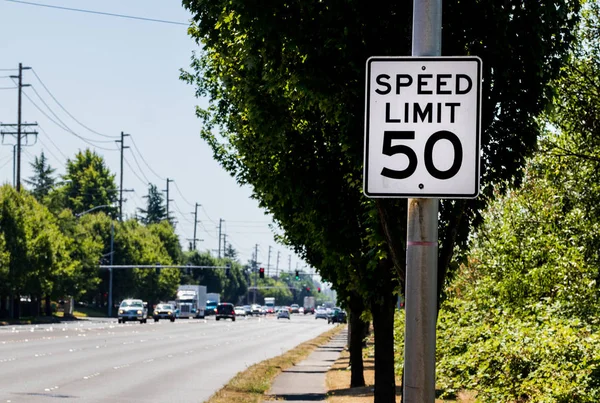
228,270
297,275
308,289
261,272
319,289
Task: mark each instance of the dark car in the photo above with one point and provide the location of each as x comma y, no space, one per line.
225,310
337,316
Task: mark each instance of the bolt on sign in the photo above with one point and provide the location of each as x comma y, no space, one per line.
422,127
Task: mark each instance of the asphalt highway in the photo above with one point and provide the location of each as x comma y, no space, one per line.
99,360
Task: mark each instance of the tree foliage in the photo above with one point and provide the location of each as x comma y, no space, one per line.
156,210
89,183
42,180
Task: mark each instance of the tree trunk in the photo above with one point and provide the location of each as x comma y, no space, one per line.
48,306
382,309
35,306
16,307
357,330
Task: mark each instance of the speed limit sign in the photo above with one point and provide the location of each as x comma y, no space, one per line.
422,127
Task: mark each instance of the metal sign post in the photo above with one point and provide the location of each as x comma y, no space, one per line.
422,245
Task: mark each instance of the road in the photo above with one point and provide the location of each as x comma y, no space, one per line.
102,361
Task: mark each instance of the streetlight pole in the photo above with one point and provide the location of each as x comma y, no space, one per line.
110,270
112,240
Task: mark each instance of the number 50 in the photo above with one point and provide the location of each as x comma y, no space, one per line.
389,149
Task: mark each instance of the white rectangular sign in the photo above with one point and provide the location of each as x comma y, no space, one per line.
422,127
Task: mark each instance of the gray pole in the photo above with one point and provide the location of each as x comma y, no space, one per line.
277,266
422,245
110,271
220,222
122,141
269,262
18,180
168,200
15,166
255,271
195,225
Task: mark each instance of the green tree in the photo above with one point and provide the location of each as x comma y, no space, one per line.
169,238
89,183
230,252
213,279
155,211
235,287
42,181
36,253
289,105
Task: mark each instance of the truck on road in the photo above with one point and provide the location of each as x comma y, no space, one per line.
309,305
270,304
212,300
191,301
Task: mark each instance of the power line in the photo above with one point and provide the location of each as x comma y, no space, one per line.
133,171
181,194
144,160
141,170
8,88
181,213
71,132
64,127
205,230
100,13
5,164
53,143
210,219
66,111
48,150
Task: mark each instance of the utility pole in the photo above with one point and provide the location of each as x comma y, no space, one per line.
277,266
224,244
19,125
220,227
255,271
269,262
290,263
168,200
110,274
123,147
195,225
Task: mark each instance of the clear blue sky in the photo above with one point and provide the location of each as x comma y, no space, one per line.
116,74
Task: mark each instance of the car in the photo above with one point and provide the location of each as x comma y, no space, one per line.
320,313
337,316
133,309
301,310
283,313
239,311
256,309
247,310
295,308
225,310
164,311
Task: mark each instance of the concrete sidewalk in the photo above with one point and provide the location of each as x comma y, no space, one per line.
305,382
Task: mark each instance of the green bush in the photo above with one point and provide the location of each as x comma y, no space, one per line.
539,358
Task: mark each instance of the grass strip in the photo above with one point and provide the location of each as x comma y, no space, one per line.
250,386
